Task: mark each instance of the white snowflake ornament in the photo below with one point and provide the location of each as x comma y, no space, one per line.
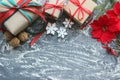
62,32
67,23
51,28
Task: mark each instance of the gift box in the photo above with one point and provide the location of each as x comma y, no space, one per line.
16,15
54,7
80,10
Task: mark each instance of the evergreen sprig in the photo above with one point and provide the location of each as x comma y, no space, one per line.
104,5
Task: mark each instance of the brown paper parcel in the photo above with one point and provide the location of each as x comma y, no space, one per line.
70,8
17,22
57,11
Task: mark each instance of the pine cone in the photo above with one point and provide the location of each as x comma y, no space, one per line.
15,42
8,36
23,36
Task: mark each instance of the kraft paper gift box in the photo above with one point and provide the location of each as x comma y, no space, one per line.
17,22
80,10
54,7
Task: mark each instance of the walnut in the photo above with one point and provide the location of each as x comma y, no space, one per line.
23,36
15,42
8,36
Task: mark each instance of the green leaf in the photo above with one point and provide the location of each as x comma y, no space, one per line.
95,0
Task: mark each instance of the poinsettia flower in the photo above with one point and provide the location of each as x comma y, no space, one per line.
115,13
103,29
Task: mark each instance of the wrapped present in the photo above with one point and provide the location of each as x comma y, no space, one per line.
80,10
54,7
16,15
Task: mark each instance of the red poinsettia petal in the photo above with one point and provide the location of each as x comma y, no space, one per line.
118,26
117,8
103,20
96,33
111,14
113,29
95,25
112,21
113,25
107,37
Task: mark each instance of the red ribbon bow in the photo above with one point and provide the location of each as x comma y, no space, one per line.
54,6
80,10
11,11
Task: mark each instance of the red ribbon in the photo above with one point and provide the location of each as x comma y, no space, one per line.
109,50
1,29
80,10
11,11
54,6
35,39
